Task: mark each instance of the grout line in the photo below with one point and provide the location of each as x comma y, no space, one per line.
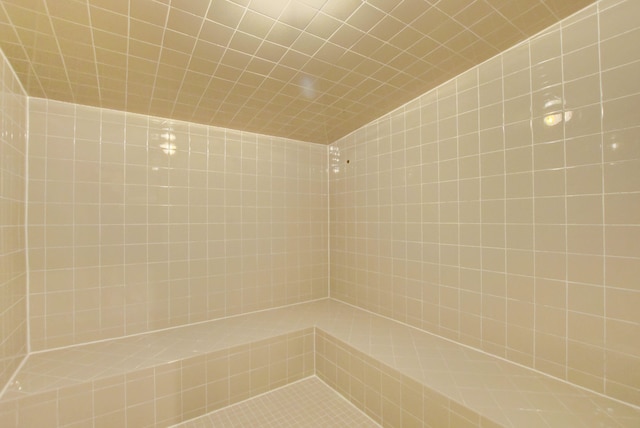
43,351
26,232
245,400
348,401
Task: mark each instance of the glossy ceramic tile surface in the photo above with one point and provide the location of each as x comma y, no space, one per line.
138,223
496,389
13,179
308,403
501,209
312,70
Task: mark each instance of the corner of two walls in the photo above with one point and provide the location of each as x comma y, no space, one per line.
502,209
13,271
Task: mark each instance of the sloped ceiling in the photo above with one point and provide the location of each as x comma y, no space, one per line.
311,70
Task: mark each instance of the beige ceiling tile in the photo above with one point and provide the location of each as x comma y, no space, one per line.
461,40
423,46
323,25
283,35
438,55
29,4
227,73
184,22
500,34
446,31
383,73
110,41
200,65
70,10
72,48
216,33
402,61
294,59
474,13
71,31
121,7
87,95
340,9
273,86
270,52
198,80
226,12
143,50
149,11
316,84
121,84
47,59
366,45
173,58
405,38
111,58
365,17
567,7
346,36
534,19
488,24
245,43
113,99
109,21
386,28
351,60
251,80
367,66
208,51
141,65
330,52
297,15
23,17
198,8
256,24
146,32
260,66
408,10
385,53
272,8
178,42
236,59
307,43
83,71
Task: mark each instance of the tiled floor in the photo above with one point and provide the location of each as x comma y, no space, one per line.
307,403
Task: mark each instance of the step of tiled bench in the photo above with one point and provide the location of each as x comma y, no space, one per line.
453,383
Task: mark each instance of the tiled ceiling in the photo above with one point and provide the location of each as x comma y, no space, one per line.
312,70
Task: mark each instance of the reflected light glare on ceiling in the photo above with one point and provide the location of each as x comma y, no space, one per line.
308,87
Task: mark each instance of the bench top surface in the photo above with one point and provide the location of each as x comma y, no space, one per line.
492,387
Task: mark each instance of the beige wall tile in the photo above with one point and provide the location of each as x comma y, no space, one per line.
552,204
13,281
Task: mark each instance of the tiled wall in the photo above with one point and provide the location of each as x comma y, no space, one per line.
13,275
136,223
502,209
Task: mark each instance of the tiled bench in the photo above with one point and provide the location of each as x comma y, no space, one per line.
400,376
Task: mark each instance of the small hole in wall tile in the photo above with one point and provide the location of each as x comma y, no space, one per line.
348,160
